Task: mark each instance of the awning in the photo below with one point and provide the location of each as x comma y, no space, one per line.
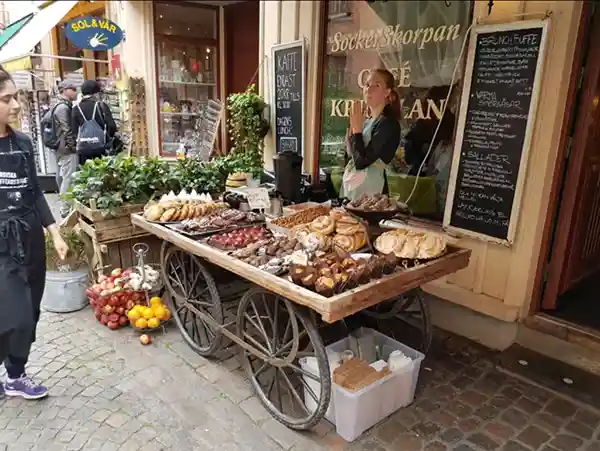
17,51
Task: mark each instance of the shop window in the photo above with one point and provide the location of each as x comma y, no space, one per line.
186,48
420,43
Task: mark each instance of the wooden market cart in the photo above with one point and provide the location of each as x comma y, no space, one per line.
275,322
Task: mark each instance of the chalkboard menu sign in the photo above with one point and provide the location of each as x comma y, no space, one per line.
288,65
495,124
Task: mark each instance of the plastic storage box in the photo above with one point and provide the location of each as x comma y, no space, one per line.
355,412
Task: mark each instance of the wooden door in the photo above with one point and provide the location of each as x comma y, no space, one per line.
576,251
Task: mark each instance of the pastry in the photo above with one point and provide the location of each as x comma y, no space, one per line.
337,213
154,212
360,239
344,242
386,243
347,225
300,232
305,216
323,224
390,262
431,246
410,248
167,216
309,279
325,286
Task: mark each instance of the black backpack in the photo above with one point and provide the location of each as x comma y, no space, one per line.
50,138
91,137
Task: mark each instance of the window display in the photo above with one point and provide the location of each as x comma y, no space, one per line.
187,74
419,42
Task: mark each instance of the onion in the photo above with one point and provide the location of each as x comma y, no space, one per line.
123,321
113,317
104,319
113,325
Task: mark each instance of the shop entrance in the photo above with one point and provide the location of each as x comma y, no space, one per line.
573,273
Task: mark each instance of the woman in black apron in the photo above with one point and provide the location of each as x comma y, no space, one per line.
24,213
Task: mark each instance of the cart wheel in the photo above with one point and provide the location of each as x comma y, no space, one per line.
190,283
296,397
409,309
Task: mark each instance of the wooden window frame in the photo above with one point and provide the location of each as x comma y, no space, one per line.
322,44
182,39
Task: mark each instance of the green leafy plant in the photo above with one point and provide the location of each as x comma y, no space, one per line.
247,129
76,257
111,182
203,176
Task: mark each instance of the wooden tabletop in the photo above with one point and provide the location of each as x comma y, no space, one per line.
333,308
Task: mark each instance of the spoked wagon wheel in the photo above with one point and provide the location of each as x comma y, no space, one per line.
288,343
192,289
405,317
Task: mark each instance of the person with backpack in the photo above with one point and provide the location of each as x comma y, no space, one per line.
94,123
57,135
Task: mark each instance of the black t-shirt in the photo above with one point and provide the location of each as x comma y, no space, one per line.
20,190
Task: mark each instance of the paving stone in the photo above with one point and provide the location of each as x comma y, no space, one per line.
533,436
515,418
452,435
483,441
561,408
515,446
408,442
580,429
564,442
500,430
435,446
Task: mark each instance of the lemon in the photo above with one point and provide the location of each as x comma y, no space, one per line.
141,323
153,322
155,301
133,315
148,313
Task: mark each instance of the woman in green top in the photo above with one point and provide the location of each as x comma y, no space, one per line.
372,144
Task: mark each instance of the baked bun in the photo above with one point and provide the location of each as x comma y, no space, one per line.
323,224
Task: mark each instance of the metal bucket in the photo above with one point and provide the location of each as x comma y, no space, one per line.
65,291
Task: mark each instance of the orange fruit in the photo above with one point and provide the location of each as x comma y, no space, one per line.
148,313
133,315
168,314
153,322
155,301
160,312
141,323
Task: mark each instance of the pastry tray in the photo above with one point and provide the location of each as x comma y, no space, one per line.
205,233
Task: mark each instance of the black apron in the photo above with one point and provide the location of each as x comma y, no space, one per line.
22,243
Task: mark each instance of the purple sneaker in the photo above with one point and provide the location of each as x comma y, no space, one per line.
25,387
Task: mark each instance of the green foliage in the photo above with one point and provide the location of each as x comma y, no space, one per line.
110,182
247,129
203,176
75,257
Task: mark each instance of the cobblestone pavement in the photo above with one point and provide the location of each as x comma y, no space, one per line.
111,393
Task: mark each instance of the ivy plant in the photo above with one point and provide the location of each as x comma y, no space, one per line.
247,129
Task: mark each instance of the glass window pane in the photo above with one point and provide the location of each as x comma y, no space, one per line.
419,42
191,21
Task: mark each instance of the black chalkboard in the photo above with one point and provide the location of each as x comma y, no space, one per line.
497,118
288,61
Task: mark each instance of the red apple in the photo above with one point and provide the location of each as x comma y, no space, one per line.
145,339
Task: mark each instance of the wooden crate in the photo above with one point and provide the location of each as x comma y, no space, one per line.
107,229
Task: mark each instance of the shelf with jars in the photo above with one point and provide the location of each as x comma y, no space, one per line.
187,81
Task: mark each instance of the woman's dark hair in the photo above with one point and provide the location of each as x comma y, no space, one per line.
4,77
390,83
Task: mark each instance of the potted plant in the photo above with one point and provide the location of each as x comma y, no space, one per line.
247,129
66,280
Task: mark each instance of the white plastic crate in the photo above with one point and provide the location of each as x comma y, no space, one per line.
355,412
